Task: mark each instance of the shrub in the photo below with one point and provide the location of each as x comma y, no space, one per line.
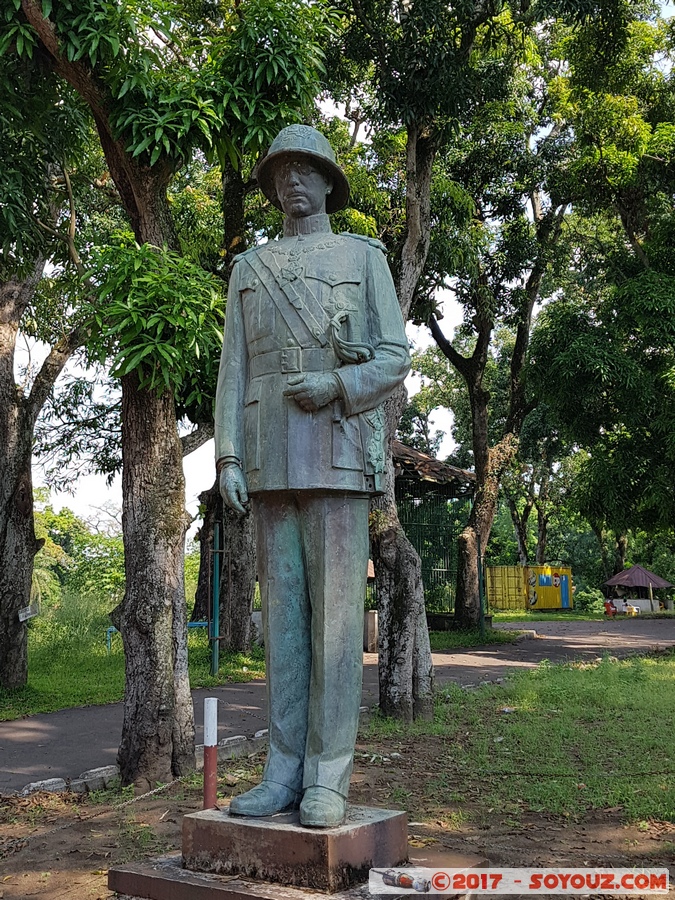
589,600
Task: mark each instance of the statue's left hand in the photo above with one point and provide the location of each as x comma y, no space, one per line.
312,391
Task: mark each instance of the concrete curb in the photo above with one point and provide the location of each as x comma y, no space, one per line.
91,780
103,777
235,747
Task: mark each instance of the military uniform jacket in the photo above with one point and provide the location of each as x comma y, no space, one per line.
316,302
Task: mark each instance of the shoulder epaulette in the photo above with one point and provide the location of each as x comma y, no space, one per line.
241,255
364,237
244,254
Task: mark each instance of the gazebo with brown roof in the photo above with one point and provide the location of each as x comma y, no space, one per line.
638,579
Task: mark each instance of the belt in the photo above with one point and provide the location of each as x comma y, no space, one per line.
292,360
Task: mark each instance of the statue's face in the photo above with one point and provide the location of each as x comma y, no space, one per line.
301,188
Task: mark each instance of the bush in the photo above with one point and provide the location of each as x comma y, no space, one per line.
588,600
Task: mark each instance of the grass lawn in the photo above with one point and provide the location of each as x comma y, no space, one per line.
67,669
558,739
525,615
461,640
68,664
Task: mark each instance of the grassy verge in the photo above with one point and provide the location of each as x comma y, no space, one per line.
68,664
461,640
562,740
524,615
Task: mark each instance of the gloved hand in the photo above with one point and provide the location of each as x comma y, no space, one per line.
313,390
233,488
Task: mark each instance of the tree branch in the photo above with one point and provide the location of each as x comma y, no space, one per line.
197,438
124,168
170,45
68,238
52,368
461,363
75,73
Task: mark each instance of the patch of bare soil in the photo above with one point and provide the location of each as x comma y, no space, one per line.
60,846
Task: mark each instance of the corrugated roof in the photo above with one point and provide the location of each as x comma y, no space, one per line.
637,576
425,468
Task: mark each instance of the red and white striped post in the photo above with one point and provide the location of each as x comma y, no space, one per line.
210,752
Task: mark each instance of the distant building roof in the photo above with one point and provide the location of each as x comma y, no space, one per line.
637,576
420,467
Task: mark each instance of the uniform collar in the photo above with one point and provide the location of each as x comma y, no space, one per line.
318,224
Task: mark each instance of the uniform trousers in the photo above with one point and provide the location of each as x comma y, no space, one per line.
312,551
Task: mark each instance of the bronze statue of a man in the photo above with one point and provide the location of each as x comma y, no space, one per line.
314,344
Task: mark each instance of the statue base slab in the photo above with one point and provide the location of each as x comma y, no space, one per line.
166,879
279,849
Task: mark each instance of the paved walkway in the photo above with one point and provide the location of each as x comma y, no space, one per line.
66,743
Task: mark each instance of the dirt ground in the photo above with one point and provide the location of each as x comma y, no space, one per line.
60,846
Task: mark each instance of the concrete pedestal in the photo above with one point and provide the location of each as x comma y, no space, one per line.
278,849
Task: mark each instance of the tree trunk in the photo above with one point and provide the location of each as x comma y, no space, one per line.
520,521
543,513
601,537
484,508
157,741
237,580
405,668
620,551
158,730
467,612
542,538
18,544
467,603
237,570
404,664
212,512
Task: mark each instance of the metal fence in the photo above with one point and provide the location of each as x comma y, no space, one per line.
433,522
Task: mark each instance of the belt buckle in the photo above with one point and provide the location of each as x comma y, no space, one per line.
291,360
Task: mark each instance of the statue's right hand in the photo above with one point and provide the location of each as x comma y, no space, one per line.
233,488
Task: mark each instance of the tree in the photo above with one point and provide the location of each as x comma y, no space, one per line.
414,427
411,69
516,167
542,480
40,130
608,332
159,85
446,94
507,163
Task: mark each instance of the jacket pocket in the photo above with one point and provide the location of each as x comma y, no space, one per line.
347,445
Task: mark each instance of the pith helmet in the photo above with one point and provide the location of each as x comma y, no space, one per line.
303,141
